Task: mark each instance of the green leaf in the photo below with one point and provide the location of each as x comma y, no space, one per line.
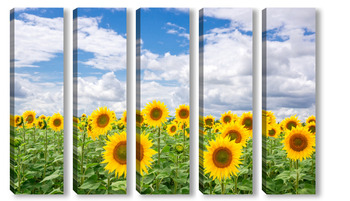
54,175
91,183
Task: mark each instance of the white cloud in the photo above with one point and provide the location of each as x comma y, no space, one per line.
42,97
106,91
291,63
291,18
107,46
172,96
227,71
177,30
37,39
166,67
240,17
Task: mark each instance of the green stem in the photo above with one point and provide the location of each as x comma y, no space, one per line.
82,160
158,162
210,188
297,180
45,153
108,183
236,186
24,138
158,144
34,135
222,187
19,169
176,174
184,135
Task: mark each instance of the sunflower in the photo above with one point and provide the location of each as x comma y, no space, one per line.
236,133
228,117
290,122
217,128
29,118
310,119
156,113
42,117
139,118
41,124
76,121
247,121
209,121
270,117
299,144
274,130
187,133
115,154
311,127
182,114
222,159
83,115
124,117
56,122
102,119
144,153
171,129
18,120
90,131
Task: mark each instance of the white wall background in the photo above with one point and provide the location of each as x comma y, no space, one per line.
333,97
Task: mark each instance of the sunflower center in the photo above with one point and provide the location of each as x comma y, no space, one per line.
30,119
227,119
312,129
234,135
57,122
311,121
272,132
18,120
222,157
248,122
156,113
298,142
139,151
102,120
139,118
209,122
184,113
173,128
291,124
120,152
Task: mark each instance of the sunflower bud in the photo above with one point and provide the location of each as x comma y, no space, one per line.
179,148
17,142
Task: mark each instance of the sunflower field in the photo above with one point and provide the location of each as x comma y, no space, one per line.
226,154
162,149
100,153
288,155
36,153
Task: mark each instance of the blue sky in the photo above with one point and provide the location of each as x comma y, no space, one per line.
165,56
38,60
101,59
291,66
227,58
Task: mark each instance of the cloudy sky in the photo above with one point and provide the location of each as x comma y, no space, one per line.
38,60
290,78
101,59
164,56
227,61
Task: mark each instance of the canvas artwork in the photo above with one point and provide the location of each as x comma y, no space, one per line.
99,116
36,101
162,101
288,113
225,101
